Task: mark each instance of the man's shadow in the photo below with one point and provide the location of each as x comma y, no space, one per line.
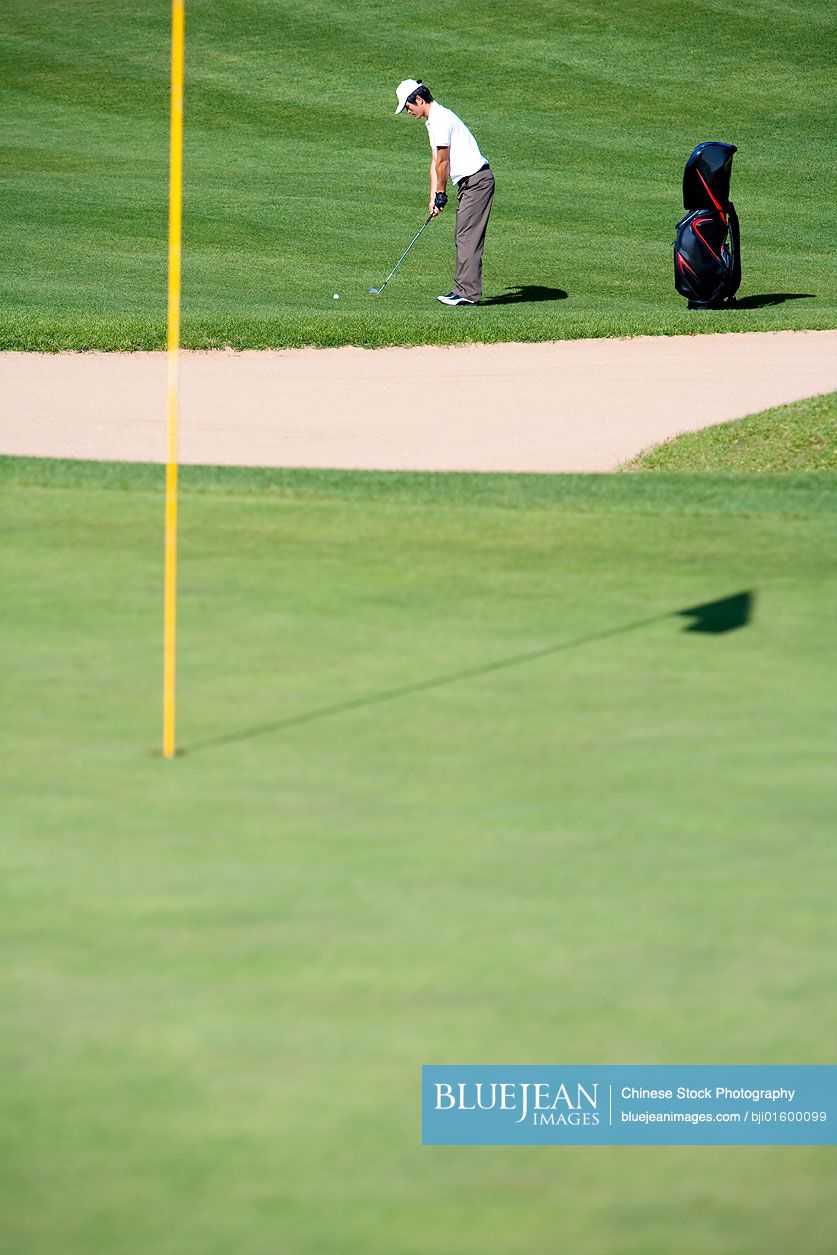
769,298
525,293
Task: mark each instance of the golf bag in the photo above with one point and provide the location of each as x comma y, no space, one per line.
707,257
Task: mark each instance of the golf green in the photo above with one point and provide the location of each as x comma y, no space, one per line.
458,785
300,182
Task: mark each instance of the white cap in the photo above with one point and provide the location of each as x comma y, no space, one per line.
403,90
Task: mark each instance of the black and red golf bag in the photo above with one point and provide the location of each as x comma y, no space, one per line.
707,258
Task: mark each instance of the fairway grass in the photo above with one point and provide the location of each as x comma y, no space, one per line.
801,436
396,836
300,182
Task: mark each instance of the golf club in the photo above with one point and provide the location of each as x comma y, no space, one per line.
377,291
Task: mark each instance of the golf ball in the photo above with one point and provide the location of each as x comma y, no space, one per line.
337,296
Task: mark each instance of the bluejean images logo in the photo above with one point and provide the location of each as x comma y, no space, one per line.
543,1102
704,1105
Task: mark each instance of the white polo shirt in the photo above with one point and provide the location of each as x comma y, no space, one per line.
446,130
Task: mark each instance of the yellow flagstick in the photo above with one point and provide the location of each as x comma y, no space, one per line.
178,21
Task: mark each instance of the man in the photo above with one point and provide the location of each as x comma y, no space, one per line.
456,155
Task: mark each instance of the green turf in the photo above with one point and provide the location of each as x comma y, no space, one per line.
803,494
395,839
801,436
300,183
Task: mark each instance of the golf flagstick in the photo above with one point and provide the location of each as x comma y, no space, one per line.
178,21
377,291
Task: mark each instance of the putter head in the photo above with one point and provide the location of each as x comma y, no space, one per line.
375,290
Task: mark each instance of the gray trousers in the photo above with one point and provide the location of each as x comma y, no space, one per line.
474,196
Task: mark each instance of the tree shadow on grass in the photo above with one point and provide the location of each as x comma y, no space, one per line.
769,298
714,617
526,293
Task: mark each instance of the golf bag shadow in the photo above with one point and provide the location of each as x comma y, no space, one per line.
707,257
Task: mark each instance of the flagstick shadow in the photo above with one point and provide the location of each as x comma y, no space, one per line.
713,617
421,686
